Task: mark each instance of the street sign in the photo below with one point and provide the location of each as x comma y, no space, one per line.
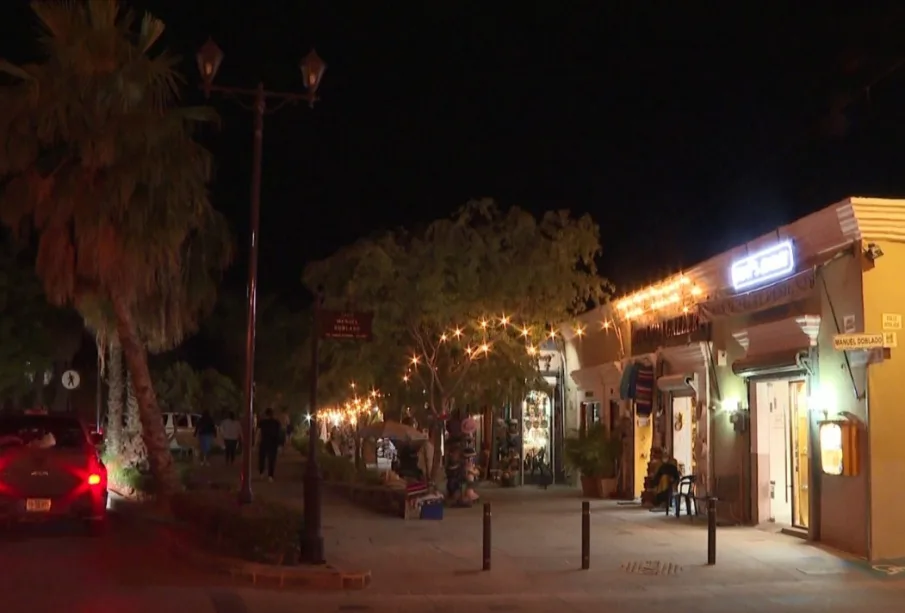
853,342
892,321
346,325
71,379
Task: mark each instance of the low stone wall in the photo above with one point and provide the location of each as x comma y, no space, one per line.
376,498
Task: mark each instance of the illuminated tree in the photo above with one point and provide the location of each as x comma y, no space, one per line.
468,298
103,168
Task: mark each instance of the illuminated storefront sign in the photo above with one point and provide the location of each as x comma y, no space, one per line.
764,266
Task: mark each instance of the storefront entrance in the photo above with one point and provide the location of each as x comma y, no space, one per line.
780,441
683,434
537,438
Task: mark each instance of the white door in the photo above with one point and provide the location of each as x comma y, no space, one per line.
760,450
682,444
780,484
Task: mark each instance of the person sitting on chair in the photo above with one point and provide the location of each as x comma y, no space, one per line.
665,478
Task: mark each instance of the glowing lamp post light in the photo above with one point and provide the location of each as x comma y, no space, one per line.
209,59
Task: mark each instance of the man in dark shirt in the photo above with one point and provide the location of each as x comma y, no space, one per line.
270,436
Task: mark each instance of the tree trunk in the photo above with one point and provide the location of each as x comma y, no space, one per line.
134,452
437,433
114,431
160,460
437,461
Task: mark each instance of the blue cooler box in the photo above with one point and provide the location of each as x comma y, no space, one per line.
432,511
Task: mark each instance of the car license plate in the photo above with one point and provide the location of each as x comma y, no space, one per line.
37,505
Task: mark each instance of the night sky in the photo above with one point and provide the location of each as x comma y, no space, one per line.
683,129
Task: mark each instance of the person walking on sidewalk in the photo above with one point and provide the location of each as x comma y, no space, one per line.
231,431
270,437
206,431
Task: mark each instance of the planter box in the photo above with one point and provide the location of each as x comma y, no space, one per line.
597,487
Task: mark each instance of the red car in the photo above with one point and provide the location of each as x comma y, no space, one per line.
50,469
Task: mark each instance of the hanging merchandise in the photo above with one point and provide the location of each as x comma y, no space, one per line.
627,383
644,390
510,455
461,473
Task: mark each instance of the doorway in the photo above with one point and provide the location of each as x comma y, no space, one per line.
682,434
781,450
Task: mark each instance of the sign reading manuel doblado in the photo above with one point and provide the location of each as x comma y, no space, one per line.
850,342
345,325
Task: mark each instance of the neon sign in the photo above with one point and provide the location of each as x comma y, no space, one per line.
764,266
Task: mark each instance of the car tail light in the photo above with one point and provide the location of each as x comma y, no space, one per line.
94,479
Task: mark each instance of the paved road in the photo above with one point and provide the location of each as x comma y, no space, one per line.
60,569
637,559
640,561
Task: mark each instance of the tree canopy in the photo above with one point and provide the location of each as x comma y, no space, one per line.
182,389
100,167
463,305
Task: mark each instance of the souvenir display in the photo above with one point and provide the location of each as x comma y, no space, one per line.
536,419
461,472
509,454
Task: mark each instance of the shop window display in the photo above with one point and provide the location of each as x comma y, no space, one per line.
537,421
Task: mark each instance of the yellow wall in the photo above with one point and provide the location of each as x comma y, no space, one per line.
884,292
843,500
643,438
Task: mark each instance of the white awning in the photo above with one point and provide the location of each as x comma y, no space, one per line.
678,385
685,358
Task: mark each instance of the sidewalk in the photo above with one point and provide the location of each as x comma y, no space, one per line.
537,545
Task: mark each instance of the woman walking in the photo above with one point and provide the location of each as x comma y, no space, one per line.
231,431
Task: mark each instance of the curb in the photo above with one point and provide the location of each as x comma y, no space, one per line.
320,578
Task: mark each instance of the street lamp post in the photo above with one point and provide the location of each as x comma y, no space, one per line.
209,58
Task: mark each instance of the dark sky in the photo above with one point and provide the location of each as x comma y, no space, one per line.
682,128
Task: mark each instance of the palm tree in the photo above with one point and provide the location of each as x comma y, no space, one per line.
101,169
116,387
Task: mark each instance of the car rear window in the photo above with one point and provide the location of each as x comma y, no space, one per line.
67,432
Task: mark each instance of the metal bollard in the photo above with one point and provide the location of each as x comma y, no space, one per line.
585,535
486,563
711,531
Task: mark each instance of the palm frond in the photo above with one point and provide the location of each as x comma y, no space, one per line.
16,72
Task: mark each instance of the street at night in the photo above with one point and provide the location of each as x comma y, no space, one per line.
350,306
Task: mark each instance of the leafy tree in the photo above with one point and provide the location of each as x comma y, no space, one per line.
26,342
466,299
218,393
178,388
102,168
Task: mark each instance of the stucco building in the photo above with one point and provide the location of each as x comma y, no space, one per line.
777,383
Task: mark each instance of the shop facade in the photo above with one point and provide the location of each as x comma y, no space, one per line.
777,383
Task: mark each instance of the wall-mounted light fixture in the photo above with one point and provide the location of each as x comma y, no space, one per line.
739,416
873,252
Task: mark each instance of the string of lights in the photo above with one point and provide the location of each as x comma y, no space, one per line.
477,341
352,409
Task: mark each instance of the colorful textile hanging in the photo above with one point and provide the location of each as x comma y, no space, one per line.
644,390
627,383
